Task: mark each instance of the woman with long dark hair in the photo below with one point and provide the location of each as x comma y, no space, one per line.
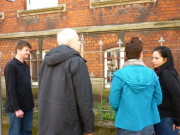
170,84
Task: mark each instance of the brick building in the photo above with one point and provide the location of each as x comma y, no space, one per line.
103,26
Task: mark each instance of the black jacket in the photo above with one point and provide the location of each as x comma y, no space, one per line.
170,85
65,94
18,86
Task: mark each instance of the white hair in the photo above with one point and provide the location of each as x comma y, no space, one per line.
65,35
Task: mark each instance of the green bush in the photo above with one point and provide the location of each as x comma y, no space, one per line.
104,111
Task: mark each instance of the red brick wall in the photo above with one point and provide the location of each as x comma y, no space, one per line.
79,14
150,39
92,48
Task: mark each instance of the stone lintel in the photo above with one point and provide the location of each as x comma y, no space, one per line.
107,3
174,24
60,8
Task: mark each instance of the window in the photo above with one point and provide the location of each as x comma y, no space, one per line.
35,62
38,4
114,59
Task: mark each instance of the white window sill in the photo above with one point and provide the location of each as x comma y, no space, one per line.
60,8
107,3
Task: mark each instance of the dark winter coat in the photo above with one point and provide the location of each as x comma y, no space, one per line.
170,85
65,96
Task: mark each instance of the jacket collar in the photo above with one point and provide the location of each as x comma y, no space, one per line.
134,62
19,62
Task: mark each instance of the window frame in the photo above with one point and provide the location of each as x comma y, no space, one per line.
121,62
1,15
35,63
35,5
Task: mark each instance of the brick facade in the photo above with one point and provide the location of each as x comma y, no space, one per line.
79,14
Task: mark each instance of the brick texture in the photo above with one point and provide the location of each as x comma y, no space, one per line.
79,14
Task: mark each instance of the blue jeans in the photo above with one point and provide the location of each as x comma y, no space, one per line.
20,126
165,127
145,131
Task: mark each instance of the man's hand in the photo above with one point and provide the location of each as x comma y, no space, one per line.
19,113
90,134
175,127
34,108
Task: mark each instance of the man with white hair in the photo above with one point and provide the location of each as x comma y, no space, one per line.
65,92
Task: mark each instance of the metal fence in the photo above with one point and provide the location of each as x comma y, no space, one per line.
100,72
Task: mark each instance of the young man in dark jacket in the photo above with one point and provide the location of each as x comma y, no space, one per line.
65,92
19,98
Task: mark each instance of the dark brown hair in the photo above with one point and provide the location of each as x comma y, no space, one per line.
21,44
134,48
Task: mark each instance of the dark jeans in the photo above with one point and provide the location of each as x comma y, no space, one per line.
20,126
165,127
145,131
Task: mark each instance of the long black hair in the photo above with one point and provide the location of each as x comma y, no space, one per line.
165,52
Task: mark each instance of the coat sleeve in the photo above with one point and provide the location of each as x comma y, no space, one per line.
10,78
83,93
157,95
115,93
173,87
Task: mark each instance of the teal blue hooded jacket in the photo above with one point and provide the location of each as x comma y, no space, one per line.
135,94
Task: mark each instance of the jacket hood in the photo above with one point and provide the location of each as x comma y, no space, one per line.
136,77
59,54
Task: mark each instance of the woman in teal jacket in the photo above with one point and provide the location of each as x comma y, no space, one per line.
135,94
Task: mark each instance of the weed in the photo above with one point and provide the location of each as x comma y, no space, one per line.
104,111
